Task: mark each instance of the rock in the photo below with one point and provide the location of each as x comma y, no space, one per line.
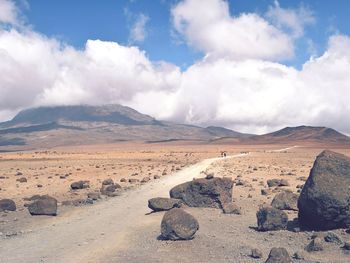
231,208
123,180
145,180
108,181
22,180
108,189
163,204
278,255
156,177
204,192
256,253
209,176
285,201
7,205
45,205
277,182
315,245
265,191
324,201
80,185
270,218
346,246
133,181
94,196
332,237
178,225
298,255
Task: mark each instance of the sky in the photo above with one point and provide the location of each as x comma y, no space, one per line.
253,66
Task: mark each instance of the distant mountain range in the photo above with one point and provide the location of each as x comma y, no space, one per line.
74,125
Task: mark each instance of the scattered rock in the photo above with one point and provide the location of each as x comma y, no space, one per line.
133,181
109,189
22,180
277,182
256,253
80,185
108,181
285,201
298,255
145,180
332,237
94,196
44,205
231,208
7,205
324,201
123,180
315,245
178,225
270,218
278,255
163,204
204,192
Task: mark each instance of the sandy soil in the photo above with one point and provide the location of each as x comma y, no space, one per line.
121,230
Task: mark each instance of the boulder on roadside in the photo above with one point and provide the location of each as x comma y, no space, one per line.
285,201
163,204
279,255
270,219
324,200
80,185
203,192
7,205
44,205
178,225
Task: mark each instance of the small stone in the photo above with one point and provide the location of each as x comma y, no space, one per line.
333,238
315,245
256,253
278,255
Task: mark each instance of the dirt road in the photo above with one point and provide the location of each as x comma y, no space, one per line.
94,233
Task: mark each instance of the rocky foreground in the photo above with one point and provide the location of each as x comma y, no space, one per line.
252,218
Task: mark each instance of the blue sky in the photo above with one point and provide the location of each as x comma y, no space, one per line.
76,21
250,65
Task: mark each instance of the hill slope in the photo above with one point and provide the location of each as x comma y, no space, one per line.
84,124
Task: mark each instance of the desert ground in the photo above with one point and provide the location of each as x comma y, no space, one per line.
122,229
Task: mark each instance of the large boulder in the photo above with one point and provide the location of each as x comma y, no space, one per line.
214,192
279,255
178,225
163,204
7,205
324,202
270,218
285,201
44,205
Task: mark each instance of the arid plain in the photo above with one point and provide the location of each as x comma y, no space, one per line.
120,228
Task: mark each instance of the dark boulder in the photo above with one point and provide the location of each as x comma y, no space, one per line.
178,225
7,205
163,204
270,218
213,192
324,202
279,255
285,201
45,205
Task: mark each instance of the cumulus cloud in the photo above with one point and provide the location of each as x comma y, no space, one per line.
209,27
8,12
247,92
138,32
294,20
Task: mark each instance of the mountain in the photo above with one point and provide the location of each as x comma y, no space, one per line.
85,124
302,134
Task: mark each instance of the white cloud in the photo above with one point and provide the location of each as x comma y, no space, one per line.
209,27
8,12
251,94
138,32
294,20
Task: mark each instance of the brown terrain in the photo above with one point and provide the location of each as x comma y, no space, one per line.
119,227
